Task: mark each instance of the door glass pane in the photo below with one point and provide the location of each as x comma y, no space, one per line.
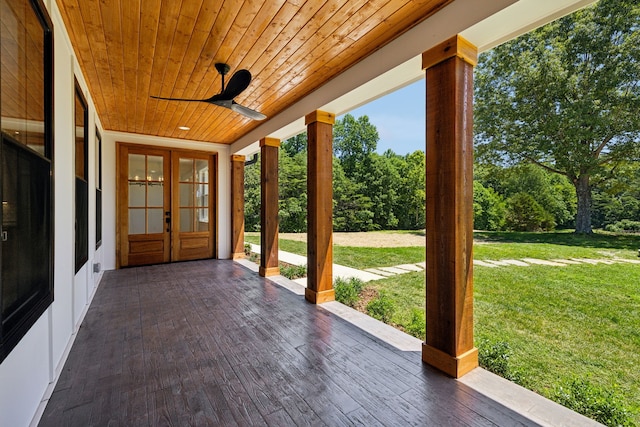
154,168
186,194
202,198
202,170
186,219
155,220
137,195
203,219
136,221
136,167
186,170
155,194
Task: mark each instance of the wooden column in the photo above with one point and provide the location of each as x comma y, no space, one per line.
320,207
269,207
449,203
237,206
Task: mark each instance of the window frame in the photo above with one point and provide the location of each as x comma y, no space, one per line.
13,330
98,166
81,183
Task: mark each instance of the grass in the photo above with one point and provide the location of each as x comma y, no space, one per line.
489,245
356,257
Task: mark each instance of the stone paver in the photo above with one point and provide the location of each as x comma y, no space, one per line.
409,267
543,262
380,272
383,272
393,270
515,262
484,264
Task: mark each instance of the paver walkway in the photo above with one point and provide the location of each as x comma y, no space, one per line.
383,272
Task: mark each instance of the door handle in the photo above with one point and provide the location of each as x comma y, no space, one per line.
5,236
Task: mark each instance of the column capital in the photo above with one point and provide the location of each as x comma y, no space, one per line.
270,142
238,158
456,46
320,116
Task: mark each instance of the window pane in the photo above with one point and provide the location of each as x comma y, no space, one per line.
203,220
186,219
154,168
202,170
186,170
137,193
186,194
22,75
155,220
155,193
81,143
136,221
137,167
202,196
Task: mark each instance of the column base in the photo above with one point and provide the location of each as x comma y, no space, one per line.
238,255
316,297
268,271
450,365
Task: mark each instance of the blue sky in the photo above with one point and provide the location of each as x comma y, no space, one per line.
399,118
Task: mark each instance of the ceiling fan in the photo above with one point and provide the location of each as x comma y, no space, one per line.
237,84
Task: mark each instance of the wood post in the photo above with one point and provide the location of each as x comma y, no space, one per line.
449,203
237,206
320,207
269,207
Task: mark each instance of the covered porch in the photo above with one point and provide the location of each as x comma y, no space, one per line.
212,343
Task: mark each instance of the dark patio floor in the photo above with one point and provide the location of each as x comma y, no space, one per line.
212,343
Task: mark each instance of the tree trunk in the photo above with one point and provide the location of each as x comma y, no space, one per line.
583,216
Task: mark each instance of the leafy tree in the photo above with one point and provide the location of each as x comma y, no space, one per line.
411,195
292,192
252,197
488,208
525,214
354,140
351,208
565,97
295,144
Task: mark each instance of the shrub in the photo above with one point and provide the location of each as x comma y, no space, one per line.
381,308
494,357
348,290
601,405
247,249
293,271
626,225
525,214
417,325
488,208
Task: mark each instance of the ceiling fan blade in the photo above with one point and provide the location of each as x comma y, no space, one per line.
248,112
237,84
177,99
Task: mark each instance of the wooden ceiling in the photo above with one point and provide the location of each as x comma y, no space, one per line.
131,49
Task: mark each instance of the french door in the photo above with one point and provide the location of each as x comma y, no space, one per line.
166,205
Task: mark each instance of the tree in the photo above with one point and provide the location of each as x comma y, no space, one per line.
354,140
565,97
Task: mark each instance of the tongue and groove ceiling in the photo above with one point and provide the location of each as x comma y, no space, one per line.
131,49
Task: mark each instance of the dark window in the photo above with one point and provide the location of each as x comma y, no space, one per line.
98,189
26,162
82,180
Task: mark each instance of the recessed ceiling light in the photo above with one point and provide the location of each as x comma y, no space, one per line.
184,127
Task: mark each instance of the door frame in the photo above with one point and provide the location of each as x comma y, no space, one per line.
120,173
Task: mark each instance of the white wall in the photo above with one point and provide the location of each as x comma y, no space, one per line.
28,374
